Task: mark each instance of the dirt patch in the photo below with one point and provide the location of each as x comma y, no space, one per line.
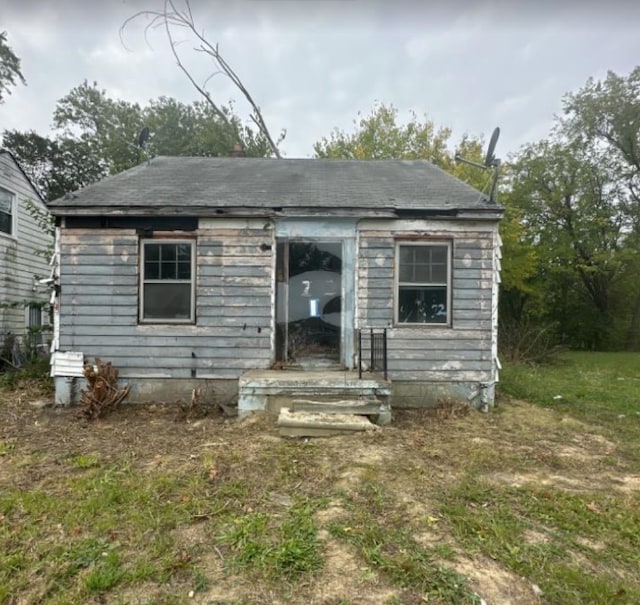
413,459
496,585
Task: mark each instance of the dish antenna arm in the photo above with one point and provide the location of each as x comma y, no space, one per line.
490,161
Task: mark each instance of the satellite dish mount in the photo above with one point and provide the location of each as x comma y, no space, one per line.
490,162
143,137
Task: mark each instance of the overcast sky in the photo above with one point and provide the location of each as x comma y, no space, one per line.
313,64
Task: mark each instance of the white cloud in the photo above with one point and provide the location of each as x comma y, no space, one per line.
312,65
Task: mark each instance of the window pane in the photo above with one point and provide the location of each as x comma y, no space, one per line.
152,252
167,301
151,270
421,274
184,252
35,316
5,223
423,264
439,273
168,252
438,254
167,261
406,255
168,270
422,305
422,254
184,270
6,200
406,273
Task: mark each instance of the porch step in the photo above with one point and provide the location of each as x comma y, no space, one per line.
364,407
321,424
340,392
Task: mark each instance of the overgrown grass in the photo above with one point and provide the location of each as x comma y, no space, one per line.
80,533
34,373
279,547
85,521
597,386
385,540
555,539
600,388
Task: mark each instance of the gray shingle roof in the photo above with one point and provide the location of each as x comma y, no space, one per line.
192,184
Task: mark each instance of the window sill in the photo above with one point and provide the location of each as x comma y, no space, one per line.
8,236
166,322
441,326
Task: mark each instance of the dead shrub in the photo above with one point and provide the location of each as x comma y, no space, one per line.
525,341
102,395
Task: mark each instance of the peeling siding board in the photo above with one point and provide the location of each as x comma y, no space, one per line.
460,353
233,329
20,258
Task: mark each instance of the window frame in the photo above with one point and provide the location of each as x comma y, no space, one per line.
13,215
192,307
448,285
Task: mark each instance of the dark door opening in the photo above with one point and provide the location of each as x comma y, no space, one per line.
308,303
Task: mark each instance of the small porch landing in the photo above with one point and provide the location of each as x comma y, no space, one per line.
325,395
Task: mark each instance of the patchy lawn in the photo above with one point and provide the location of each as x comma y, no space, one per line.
534,503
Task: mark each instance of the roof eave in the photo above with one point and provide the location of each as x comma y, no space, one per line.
493,213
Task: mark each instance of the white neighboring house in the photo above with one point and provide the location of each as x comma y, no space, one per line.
24,304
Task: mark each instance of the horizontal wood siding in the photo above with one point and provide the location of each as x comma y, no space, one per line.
23,255
460,353
99,304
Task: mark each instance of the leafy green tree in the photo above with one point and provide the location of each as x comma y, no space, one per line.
568,199
606,115
197,130
379,136
10,69
96,136
89,117
55,165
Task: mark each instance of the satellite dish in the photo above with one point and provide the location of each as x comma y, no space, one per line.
143,137
490,159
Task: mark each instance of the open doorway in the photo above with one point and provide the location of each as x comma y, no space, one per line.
309,303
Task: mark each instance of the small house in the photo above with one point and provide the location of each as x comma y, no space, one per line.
23,262
257,277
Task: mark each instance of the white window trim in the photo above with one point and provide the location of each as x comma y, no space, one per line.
397,283
167,240
14,215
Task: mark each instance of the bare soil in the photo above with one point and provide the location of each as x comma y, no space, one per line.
417,444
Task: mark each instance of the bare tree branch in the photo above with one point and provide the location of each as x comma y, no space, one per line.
171,17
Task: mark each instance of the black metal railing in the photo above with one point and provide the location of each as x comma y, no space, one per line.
372,351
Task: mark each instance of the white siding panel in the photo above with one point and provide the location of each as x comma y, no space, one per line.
23,256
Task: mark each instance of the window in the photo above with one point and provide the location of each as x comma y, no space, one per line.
34,316
167,285
6,211
423,283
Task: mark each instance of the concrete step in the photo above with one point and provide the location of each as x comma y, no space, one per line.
375,410
271,390
321,424
364,407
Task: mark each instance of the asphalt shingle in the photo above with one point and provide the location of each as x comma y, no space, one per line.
197,182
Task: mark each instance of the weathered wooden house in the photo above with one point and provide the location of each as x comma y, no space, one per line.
265,277
23,261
